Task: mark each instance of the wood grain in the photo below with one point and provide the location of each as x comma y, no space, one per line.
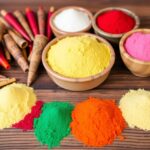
119,82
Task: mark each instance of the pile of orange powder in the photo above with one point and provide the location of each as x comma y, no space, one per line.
97,122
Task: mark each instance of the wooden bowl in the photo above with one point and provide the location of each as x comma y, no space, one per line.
137,67
58,32
77,84
109,36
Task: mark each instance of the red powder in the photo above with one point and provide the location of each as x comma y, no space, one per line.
28,121
115,21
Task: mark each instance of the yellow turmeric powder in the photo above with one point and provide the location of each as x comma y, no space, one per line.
79,56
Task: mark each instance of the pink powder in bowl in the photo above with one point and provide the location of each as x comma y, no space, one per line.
138,46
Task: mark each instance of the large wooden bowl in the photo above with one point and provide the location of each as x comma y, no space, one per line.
109,36
58,32
137,67
77,84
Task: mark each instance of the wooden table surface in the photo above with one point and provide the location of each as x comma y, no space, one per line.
119,81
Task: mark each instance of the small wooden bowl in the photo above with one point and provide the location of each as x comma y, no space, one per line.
58,32
137,67
77,84
109,36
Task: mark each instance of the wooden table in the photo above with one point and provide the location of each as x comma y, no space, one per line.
119,81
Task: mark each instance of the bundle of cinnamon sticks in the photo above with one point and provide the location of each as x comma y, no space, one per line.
23,36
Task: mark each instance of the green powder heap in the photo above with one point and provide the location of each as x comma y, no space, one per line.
54,123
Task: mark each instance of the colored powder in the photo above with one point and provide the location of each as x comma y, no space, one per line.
135,107
97,122
79,56
72,20
138,46
53,124
115,22
16,100
28,120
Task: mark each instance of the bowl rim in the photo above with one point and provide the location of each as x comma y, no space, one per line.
126,11
122,48
90,15
61,77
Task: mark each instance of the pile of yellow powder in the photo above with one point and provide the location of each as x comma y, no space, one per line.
16,101
135,107
79,56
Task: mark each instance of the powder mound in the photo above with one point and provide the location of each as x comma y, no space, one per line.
138,46
28,120
72,20
16,100
53,124
79,56
135,107
115,21
97,122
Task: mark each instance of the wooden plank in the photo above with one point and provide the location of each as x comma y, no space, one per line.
10,138
15,139
118,79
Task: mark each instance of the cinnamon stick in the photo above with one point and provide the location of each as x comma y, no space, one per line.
21,42
9,17
21,18
2,30
7,54
41,20
16,52
7,81
38,46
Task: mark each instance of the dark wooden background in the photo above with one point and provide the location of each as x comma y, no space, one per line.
119,81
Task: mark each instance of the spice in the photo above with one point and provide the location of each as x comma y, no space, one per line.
72,20
48,27
79,56
7,54
21,42
22,20
2,30
41,20
9,17
28,120
32,21
6,81
115,22
2,20
16,52
138,46
3,60
135,106
24,54
40,42
16,100
30,47
53,124
97,122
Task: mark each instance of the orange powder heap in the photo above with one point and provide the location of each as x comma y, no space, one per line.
97,122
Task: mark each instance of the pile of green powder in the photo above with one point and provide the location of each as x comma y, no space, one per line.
54,123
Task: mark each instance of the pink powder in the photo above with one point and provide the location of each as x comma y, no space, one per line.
27,122
138,46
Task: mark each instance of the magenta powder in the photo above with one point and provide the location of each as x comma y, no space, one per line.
138,46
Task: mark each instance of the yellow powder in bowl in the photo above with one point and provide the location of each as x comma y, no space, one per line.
16,101
79,56
135,107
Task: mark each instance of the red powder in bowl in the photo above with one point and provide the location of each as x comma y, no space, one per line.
27,122
115,22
